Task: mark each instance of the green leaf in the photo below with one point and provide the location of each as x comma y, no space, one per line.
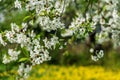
23,59
27,18
66,53
25,52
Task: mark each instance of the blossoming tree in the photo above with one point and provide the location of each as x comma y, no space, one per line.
44,29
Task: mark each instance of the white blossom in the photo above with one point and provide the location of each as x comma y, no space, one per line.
51,43
10,36
17,4
14,27
24,27
21,69
68,32
102,37
2,41
47,24
98,55
24,70
91,50
76,28
12,56
40,6
39,56
94,58
22,39
6,59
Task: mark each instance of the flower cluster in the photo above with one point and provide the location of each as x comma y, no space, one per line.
12,56
52,43
17,4
98,54
47,14
16,35
80,27
47,24
107,19
23,71
104,21
38,52
41,6
2,41
37,49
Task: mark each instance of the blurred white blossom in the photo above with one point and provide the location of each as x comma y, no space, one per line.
91,50
2,18
18,4
24,70
98,55
94,58
2,41
12,56
47,24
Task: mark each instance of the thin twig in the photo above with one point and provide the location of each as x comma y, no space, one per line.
63,8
